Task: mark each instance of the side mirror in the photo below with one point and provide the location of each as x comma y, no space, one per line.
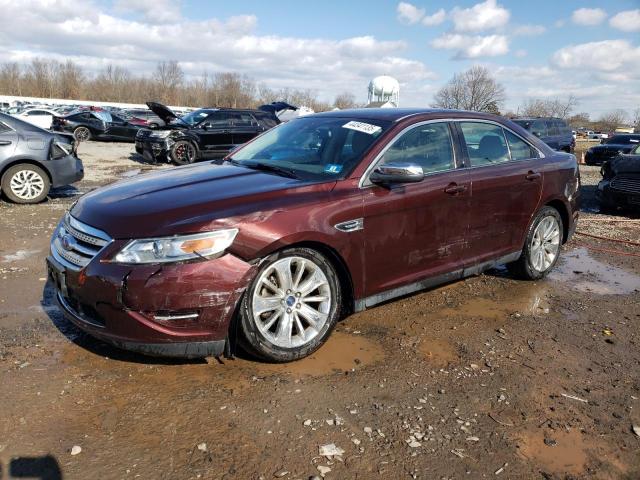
397,173
204,127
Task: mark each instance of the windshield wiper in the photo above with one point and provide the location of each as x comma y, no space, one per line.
267,167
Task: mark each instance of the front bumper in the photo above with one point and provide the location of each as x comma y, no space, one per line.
65,171
178,310
153,150
611,197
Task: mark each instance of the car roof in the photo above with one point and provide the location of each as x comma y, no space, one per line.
530,119
397,114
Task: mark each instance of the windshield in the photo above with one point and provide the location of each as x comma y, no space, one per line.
316,147
193,118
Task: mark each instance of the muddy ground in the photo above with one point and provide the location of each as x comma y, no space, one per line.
484,378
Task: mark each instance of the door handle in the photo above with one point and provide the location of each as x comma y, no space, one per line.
454,189
531,176
5,142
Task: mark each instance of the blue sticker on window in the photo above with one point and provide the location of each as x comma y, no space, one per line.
331,168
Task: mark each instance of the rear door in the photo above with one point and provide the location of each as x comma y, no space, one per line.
215,134
506,184
8,141
244,127
417,230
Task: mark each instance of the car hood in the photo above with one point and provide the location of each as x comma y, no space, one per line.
184,200
162,111
622,164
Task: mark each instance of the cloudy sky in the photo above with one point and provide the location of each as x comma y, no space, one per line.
541,49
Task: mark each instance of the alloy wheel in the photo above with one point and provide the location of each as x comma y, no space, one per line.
27,184
291,302
82,134
184,153
545,244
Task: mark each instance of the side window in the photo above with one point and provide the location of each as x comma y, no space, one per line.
427,145
36,113
485,143
242,119
539,129
218,120
520,150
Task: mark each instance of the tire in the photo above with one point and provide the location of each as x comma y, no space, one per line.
25,183
281,332
82,134
183,152
536,262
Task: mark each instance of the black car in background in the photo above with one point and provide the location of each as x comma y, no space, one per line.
96,125
553,131
611,148
33,160
205,133
620,184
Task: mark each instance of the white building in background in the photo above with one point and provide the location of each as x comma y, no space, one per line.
384,92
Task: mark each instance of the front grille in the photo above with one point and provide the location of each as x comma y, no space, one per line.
626,183
75,244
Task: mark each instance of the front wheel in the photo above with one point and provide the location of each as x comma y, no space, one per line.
542,246
25,183
291,307
82,134
183,152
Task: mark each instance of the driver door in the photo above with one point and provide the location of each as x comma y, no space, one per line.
417,230
215,135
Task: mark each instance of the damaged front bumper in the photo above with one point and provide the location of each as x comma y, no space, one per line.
178,310
154,149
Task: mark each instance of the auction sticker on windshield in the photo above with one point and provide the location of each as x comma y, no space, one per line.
362,127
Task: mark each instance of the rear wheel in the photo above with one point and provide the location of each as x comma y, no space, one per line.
291,306
183,152
542,246
82,134
25,183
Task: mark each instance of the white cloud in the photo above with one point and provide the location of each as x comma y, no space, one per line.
409,14
153,11
521,53
482,16
604,56
470,46
434,19
84,32
528,30
588,16
627,21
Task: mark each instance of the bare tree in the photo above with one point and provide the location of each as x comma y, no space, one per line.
169,76
69,80
578,120
345,100
474,90
11,79
549,108
612,120
635,118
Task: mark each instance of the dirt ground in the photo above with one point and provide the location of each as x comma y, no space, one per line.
484,378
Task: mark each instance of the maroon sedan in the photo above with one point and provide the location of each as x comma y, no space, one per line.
319,217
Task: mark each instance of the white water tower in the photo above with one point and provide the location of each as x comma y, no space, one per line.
384,91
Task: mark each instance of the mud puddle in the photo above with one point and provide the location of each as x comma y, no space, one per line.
438,353
589,275
561,452
342,352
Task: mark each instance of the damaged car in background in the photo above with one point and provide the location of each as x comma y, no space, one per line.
316,218
207,133
620,184
611,147
32,160
97,124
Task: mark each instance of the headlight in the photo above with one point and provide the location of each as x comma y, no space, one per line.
160,133
176,249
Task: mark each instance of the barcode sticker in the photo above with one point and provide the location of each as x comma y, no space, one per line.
362,127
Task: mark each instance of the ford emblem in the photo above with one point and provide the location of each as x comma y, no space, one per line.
67,242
